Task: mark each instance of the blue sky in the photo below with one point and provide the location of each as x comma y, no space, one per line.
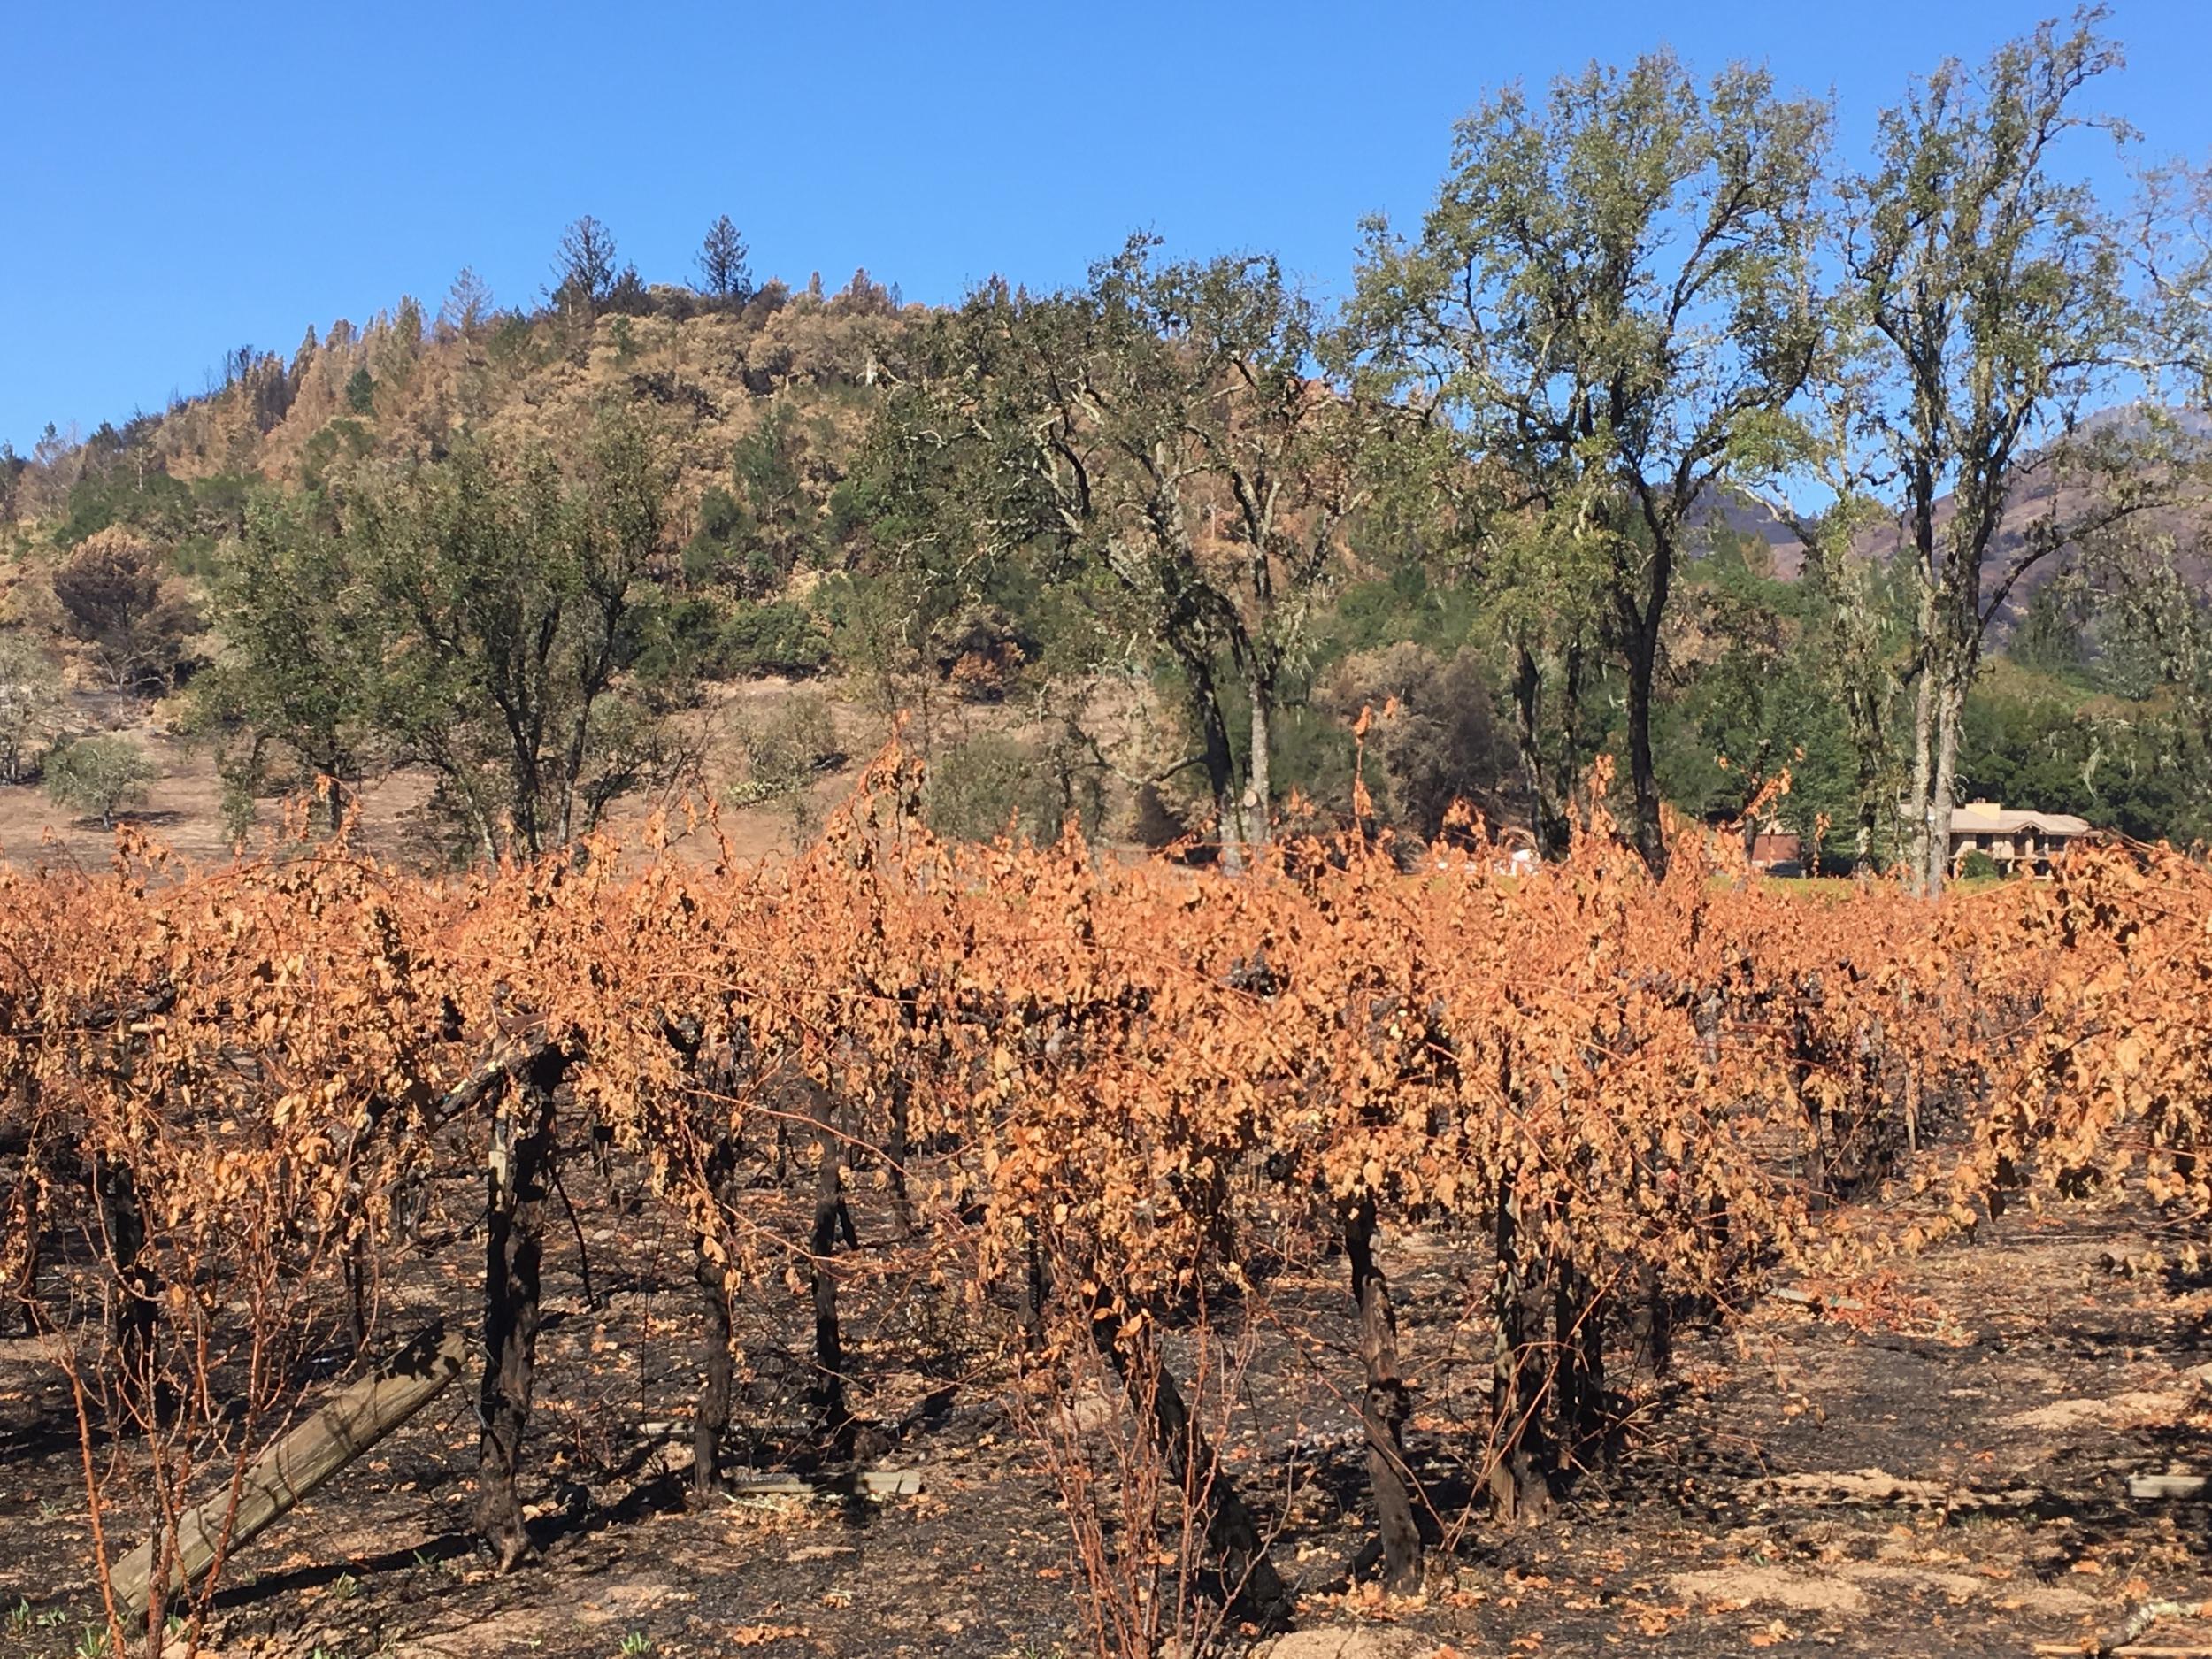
177,180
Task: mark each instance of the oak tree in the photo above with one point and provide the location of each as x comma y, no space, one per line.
1612,304
1163,442
1996,303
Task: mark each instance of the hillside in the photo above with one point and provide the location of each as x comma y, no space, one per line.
401,386
758,409
806,579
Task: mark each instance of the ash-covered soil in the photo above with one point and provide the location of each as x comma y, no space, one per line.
1932,1462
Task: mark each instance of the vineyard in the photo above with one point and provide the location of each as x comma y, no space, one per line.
1312,1240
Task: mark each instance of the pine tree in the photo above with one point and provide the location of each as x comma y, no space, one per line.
727,279
586,268
468,304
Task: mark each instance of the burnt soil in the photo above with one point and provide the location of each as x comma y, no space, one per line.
1933,1461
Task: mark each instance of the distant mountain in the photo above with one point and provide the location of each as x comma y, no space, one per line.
2038,491
1736,514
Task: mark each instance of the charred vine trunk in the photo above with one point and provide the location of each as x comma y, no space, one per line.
1578,1340
897,1135
717,1284
137,1305
514,1236
832,1219
1385,1405
1518,1486
25,1227
1192,1464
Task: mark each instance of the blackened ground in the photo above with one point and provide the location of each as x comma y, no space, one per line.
1938,1469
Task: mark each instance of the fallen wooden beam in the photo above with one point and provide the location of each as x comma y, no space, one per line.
854,1483
2170,1485
1813,1299
361,1414
2126,1643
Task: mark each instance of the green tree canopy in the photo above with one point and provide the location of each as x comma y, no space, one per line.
1612,304
476,615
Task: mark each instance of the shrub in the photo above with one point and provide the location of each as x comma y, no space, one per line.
1979,866
710,552
992,785
981,651
1440,739
116,597
781,637
30,697
1836,862
678,642
100,775
784,753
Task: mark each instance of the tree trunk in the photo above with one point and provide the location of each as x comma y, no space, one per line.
831,1218
1255,830
1919,808
1643,664
1192,1464
1569,786
1546,824
1950,701
572,770
1385,1405
1219,758
522,1140
1527,688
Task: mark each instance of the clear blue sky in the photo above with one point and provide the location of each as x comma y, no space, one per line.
179,180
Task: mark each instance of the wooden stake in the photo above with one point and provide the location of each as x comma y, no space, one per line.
362,1414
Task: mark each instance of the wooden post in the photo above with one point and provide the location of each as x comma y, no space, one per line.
362,1414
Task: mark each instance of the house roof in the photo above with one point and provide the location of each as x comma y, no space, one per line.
1978,818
